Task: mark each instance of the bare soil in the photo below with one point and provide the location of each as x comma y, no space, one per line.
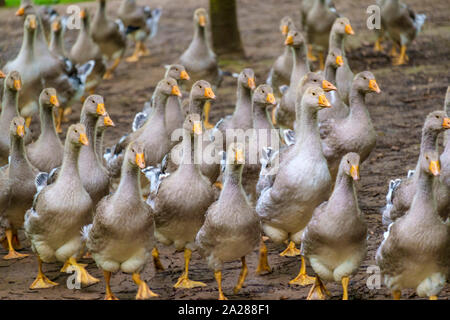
409,93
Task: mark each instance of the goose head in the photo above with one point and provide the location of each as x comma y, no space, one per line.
30,23
94,105
56,25
235,155
286,24
104,122
342,26
178,72
315,79
193,124
48,98
13,81
334,58
17,127
350,165
429,162
135,155
201,90
314,99
365,82
25,8
263,95
168,87
437,121
247,79
2,75
76,135
201,17
294,39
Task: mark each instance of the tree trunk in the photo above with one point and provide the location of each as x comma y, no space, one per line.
224,26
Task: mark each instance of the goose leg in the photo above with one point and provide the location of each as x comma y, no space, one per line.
433,298
302,278
318,291
108,295
109,73
206,110
291,250
42,282
344,282
321,60
403,58
82,275
135,56
144,292
311,57
263,264
393,52
156,261
27,122
143,51
12,254
242,276
218,276
378,47
274,115
396,294
183,280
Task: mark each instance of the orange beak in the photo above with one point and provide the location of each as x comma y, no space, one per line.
435,168
354,172
17,85
239,156
251,83
176,91
209,93
20,12
82,14
328,86
33,23
140,160
184,75
323,101
2,75
289,40
349,29
202,21
20,131
284,30
198,127
101,109
107,121
270,98
54,101
83,139
339,61
446,123
55,26
374,86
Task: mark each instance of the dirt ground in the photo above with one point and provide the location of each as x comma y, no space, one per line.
409,93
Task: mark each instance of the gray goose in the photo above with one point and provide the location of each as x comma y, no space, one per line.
416,248
445,161
334,240
121,235
60,209
232,228
110,37
56,45
16,189
401,193
46,14
344,75
46,153
287,202
178,224
280,73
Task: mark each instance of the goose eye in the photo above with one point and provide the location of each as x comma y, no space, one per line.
437,117
76,131
315,80
314,94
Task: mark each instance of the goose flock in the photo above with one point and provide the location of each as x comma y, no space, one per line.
154,187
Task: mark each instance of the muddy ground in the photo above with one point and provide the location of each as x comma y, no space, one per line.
409,93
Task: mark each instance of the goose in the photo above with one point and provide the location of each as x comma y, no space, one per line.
401,193
284,113
110,36
232,228
339,31
354,133
286,204
334,241
178,224
415,250
402,26
121,235
16,189
280,73
45,13
10,109
60,209
141,23
46,153
445,163
56,45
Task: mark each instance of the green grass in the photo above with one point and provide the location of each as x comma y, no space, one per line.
15,3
